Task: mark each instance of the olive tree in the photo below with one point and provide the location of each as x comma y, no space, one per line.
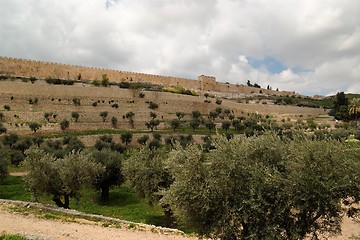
4,162
34,126
59,177
146,171
112,175
264,187
75,116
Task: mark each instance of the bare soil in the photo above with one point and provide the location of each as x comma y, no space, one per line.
29,225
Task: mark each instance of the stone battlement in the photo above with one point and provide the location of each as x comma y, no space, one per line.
18,67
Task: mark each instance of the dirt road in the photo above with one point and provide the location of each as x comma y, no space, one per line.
45,229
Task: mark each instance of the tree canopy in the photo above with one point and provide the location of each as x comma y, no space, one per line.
264,187
59,177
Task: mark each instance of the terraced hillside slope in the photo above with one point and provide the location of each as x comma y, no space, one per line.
27,102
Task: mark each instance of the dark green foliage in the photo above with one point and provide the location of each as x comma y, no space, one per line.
61,178
22,144
2,129
143,139
96,83
210,125
1,116
105,81
225,125
218,110
153,115
130,115
7,107
64,124
175,123
106,142
33,101
156,136
238,126
115,105
47,115
141,95
195,123
196,114
154,144
114,122
34,126
213,115
54,81
180,115
10,139
112,163
37,140
94,104
126,137
75,116
146,170
153,105
104,115
208,145
268,187
76,101
153,123
4,162
218,101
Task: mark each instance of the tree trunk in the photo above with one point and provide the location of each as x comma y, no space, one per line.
67,201
105,194
169,215
59,203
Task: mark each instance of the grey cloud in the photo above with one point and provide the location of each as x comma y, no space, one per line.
189,38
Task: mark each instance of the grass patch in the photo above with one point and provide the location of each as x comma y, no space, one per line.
12,237
124,203
13,188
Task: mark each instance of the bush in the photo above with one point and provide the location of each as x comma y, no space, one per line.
153,105
7,107
104,115
76,101
141,95
94,104
115,105
33,101
114,122
95,83
143,139
55,81
34,126
218,101
75,116
64,124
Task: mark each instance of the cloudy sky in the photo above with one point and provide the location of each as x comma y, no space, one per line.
311,47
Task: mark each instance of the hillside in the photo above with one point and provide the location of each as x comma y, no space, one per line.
58,100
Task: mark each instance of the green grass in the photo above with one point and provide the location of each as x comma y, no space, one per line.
12,237
13,188
124,203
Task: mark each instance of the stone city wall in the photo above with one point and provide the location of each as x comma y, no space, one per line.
31,68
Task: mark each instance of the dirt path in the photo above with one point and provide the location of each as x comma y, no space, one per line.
38,228
30,225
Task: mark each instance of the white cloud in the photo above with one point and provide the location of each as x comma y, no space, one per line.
187,39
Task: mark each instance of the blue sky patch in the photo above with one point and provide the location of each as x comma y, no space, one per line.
270,63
